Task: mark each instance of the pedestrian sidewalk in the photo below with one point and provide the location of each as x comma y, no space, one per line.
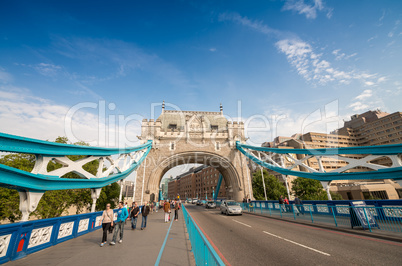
139,247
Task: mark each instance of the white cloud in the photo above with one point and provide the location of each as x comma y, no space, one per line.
212,49
281,121
358,106
369,83
340,56
33,117
244,21
311,67
308,9
382,79
301,55
366,100
372,38
48,70
364,95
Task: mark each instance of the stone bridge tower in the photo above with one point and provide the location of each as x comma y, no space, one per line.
182,137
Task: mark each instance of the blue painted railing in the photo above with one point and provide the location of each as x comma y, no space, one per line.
17,240
204,253
387,213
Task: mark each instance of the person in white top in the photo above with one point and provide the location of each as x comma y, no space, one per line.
107,222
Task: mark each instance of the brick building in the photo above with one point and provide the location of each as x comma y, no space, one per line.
198,182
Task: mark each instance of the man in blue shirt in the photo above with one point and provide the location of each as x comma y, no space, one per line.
122,215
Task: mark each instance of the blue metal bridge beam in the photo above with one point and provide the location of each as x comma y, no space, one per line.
32,185
218,186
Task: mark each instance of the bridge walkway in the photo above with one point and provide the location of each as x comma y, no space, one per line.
139,247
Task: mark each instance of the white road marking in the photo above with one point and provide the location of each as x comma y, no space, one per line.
293,242
241,223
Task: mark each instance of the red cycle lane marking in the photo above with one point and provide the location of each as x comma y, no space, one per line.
330,231
211,242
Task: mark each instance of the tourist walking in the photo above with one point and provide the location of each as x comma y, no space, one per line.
145,211
299,206
107,222
166,209
281,204
122,215
176,210
134,215
286,201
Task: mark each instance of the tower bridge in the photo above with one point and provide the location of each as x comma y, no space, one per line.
187,137
183,137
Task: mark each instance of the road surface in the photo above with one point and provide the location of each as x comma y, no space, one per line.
254,240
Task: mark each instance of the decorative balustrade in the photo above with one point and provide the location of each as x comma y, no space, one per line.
20,239
387,213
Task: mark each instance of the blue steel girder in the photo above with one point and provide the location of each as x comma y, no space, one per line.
39,180
218,186
271,158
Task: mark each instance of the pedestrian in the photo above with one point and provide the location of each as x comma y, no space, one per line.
299,205
176,210
166,209
281,204
134,215
170,208
286,201
122,215
107,222
145,211
128,211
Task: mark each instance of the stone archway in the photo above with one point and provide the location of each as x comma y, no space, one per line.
223,165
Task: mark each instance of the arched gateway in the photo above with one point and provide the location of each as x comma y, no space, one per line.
182,137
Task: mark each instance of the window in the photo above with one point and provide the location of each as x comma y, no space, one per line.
217,146
399,193
214,128
382,194
172,127
172,146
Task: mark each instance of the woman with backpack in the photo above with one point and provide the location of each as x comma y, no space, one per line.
107,222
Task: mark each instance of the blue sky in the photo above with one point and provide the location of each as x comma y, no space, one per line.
290,61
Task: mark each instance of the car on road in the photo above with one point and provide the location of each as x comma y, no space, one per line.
199,202
194,201
231,207
210,205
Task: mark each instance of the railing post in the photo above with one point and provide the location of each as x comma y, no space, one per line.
311,214
368,222
333,213
270,214
261,208
280,209
205,257
293,210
